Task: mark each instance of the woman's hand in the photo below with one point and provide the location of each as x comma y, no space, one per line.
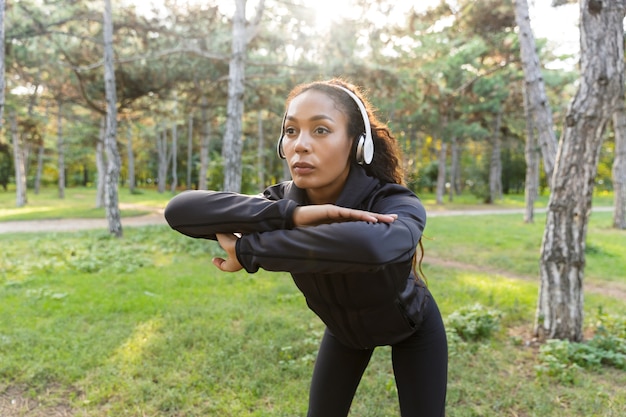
231,264
314,215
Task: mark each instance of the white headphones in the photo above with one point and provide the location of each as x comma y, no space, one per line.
365,143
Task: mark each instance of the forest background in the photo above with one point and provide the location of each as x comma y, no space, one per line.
447,79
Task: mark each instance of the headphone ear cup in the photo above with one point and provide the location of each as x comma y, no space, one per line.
360,144
279,149
364,150
368,149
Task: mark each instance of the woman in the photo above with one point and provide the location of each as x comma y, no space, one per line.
347,230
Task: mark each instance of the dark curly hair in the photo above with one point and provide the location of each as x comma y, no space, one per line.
386,164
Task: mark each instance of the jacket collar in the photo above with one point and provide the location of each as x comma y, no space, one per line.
358,186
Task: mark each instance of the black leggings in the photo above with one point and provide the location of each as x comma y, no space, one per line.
420,365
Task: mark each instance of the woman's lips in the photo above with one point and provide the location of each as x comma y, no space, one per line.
302,168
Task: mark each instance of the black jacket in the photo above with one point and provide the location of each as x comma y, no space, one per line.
355,276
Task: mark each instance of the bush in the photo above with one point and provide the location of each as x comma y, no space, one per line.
474,322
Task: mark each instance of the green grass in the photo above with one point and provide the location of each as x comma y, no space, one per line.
146,326
78,203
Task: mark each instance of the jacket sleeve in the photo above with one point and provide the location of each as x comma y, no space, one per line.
339,247
202,214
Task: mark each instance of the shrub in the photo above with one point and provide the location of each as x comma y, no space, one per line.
474,322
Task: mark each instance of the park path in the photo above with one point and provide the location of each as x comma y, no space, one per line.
155,217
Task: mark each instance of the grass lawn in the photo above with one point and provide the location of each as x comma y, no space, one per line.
145,326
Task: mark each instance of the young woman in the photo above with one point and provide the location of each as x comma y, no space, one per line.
347,230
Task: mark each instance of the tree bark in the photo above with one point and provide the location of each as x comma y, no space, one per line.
2,66
537,98
189,150
495,163
113,157
531,154
174,156
233,141
261,151
161,138
204,146
18,162
60,151
619,167
560,306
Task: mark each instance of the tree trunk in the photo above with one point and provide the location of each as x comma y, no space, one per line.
189,150
60,151
18,161
132,181
233,143
204,146
113,157
441,173
531,191
2,66
161,137
560,306
495,163
535,88
619,167
174,156
100,165
261,151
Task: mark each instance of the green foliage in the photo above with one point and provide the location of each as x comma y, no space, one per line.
563,360
474,323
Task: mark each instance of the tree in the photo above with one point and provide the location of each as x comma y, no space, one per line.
560,305
619,167
233,142
110,137
537,108
2,58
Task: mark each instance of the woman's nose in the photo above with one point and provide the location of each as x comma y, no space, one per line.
303,142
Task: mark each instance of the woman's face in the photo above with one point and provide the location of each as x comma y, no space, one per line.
316,146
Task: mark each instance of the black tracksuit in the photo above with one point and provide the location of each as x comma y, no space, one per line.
356,276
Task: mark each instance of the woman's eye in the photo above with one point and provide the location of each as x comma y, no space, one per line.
290,131
321,131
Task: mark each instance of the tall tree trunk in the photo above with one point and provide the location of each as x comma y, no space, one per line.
495,163
537,97
161,137
130,155
189,150
233,141
114,162
18,161
174,156
261,151
204,146
560,306
531,155
441,172
619,167
2,66
100,165
60,150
